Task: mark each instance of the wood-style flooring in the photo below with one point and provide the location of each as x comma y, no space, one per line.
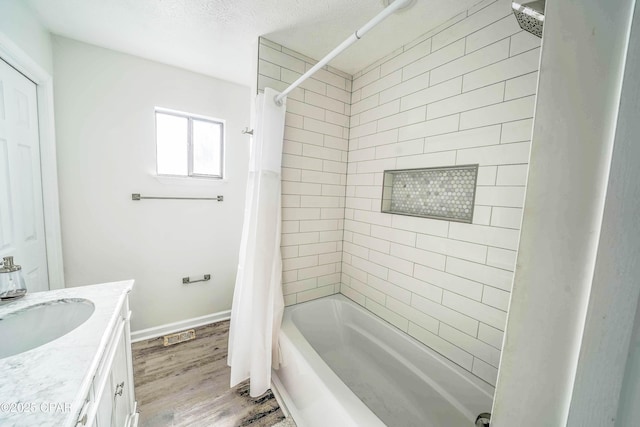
187,384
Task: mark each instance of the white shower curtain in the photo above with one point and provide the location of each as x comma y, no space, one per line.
258,303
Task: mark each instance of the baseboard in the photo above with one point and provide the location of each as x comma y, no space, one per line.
169,328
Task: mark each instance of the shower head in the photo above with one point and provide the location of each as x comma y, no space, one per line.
530,15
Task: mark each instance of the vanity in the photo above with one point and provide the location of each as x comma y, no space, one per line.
65,358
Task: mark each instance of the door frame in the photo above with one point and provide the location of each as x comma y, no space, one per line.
21,61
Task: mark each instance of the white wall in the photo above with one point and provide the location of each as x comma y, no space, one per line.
20,25
576,113
106,150
461,94
314,166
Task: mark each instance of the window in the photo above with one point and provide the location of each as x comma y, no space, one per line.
189,145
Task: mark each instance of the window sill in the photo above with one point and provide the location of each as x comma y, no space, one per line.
190,181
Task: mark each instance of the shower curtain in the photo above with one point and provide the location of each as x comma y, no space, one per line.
258,303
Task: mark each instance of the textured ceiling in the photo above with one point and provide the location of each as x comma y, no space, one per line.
215,37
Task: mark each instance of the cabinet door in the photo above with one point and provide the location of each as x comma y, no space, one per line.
105,407
120,385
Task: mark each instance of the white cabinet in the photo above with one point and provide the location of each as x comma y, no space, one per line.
111,400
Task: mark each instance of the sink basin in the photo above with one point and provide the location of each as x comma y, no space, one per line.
38,324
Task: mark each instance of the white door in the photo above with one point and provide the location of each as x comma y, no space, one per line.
21,208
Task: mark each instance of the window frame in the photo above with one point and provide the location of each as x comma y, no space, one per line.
190,152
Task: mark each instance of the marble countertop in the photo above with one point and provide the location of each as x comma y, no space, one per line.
46,386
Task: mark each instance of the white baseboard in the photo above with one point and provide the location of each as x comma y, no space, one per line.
169,328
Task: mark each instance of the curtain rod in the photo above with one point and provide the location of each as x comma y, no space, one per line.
397,4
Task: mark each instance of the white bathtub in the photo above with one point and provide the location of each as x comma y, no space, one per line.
343,366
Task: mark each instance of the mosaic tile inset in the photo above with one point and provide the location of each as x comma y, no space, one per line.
442,193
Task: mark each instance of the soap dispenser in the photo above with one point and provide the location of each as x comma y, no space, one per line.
12,283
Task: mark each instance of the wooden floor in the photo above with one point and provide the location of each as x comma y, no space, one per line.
187,384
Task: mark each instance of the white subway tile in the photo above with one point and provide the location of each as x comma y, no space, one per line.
291,201
517,109
290,226
496,298
341,144
491,336
368,191
429,128
301,162
370,267
293,120
405,118
371,243
315,293
376,218
300,188
416,52
289,276
388,315
487,175
500,196
381,111
415,286
299,286
468,343
334,167
379,165
319,201
407,87
419,225
350,271
282,59
300,262
426,160
472,24
473,61
521,86
389,289
321,153
416,316
448,281
512,174
435,59
495,154
477,310
332,213
324,102
406,148
321,270
419,256
363,130
485,371
356,250
446,315
341,120
264,81
506,217
499,30
301,135
366,78
319,225
289,251
312,84
500,71
482,215
491,236
358,203
467,101
292,147
289,174
517,131
502,258
364,104
352,294
357,227
489,135
317,248
496,277
522,42
299,238
300,213
382,83
479,6
269,69
432,94
269,43
322,127
339,94
380,138
456,248
394,235
329,77
329,279
362,154
321,177
369,292
443,347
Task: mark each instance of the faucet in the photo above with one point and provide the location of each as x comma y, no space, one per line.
483,419
12,283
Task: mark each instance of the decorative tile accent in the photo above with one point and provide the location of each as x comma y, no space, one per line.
442,193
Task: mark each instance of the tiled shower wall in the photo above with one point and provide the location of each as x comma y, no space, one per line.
462,94
314,167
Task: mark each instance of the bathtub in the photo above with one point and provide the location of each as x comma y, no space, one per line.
343,366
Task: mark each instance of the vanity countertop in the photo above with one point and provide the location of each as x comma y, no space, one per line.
46,386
